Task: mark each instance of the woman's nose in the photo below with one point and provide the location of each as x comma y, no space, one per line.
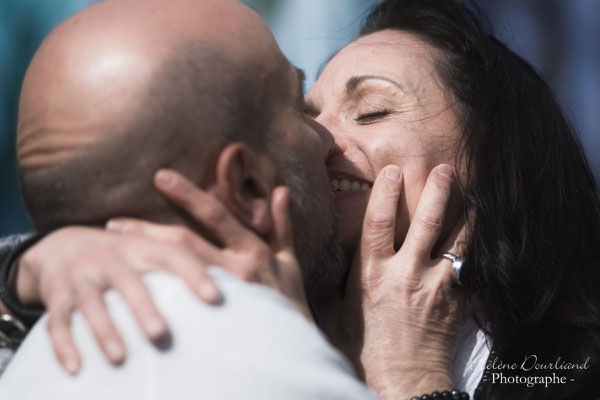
337,142
327,139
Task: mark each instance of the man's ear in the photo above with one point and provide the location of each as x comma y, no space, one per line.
244,182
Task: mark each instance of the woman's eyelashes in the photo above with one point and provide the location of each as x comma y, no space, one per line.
372,116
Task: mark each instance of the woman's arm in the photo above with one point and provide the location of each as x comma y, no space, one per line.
401,310
70,269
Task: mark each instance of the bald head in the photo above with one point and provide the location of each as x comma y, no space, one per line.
97,65
129,86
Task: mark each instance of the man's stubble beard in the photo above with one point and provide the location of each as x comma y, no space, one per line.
316,240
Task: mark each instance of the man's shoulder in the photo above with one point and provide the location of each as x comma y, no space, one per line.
253,345
170,287
242,302
266,317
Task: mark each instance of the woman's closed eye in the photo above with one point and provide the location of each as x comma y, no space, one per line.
372,116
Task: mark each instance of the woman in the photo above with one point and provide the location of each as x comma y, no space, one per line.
535,212
414,91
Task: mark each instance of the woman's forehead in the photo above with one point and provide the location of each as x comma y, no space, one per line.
397,55
387,49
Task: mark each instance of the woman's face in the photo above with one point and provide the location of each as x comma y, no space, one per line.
383,103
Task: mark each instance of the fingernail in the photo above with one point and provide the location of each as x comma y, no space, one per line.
114,225
392,172
209,292
446,171
164,178
155,327
115,351
71,366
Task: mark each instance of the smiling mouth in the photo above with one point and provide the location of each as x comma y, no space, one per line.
346,185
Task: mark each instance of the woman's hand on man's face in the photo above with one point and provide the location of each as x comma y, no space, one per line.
400,309
71,268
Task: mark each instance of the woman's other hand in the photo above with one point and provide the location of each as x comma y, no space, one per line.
72,267
401,310
271,261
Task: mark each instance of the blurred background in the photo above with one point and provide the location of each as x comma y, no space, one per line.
560,38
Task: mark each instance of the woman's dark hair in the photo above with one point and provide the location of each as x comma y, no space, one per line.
535,239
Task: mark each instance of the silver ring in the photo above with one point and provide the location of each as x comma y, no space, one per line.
460,270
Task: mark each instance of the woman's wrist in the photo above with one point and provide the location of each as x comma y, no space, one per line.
11,284
8,295
23,284
429,383
407,383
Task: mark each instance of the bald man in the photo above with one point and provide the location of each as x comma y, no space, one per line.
130,86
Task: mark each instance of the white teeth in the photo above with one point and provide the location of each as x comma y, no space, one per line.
344,185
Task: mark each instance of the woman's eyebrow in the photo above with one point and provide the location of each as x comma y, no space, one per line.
353,82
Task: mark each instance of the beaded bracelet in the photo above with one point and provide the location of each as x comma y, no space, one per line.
446,395
28,315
